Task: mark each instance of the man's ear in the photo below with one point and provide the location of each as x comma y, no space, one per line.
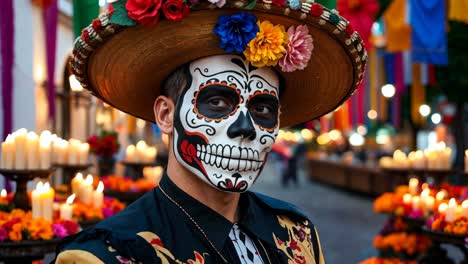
164,114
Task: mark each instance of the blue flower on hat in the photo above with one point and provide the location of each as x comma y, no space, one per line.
236,31
294,4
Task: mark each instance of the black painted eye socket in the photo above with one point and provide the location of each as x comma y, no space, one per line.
264,110
217,101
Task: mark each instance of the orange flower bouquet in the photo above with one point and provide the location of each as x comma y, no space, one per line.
19,225
457,227
376,260
122,184
84,212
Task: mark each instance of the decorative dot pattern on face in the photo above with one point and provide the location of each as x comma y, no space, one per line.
223,132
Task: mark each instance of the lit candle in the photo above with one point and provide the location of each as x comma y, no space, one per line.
407,198
8,153
130,153
76,183
66,209
36,200
416,200
441,195
84,152
47,202
73,151
98,196
20,149
442,208
465,208
430,201
451,210
87,190
413,185
32,151
3,193
45,150
141,150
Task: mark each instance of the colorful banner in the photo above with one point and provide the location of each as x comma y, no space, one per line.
428,38
7,42
327,3
458,10
360,14
50,25
84,11
397,30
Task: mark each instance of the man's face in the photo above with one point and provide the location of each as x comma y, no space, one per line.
227,121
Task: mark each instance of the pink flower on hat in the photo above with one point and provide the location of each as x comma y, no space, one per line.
298,50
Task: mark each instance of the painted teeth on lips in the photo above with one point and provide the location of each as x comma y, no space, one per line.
232,158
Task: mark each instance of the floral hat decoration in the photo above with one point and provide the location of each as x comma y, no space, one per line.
128,51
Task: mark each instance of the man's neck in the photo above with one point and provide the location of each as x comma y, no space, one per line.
225,204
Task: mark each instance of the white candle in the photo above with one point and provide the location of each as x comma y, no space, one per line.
416,200
442,208
465,208
44,151
36,200
98,196
84,153
130,153
32,150
451,210
141,150
76,183
3,193
413,186
66,209
407,198
430,201
20,149
87,190
73,151
441,195
47,202
5,153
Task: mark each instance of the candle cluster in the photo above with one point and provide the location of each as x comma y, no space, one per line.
423,202
84,190
153,174
42,200
23,150
72,152
433,158
141,153
66,209
453,210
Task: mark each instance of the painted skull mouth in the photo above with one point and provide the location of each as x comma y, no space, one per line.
231,158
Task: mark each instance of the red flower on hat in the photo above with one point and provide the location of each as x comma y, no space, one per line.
316,10
144,12
175,10
279,2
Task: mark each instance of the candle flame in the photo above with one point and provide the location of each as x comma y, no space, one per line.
70,199
413,181
407,198
443,207
441,195
3,193
39,186
46,186
452,202
89,179
141,145
425,193
31,135
79,176
465,204
100,187
84,147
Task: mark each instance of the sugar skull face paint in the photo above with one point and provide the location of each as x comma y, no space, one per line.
227,121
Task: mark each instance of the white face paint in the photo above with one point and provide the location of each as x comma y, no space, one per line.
227,121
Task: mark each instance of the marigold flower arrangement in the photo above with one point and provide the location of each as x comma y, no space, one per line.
376,260
122,184
19,225
104,145
84,212
5,203
457,227
402,243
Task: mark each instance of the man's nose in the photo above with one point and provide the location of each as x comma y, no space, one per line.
242,127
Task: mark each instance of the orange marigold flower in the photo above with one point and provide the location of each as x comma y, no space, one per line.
16,232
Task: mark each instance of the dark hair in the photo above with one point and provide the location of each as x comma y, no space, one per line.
176,83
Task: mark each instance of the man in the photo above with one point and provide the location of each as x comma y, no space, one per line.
222,114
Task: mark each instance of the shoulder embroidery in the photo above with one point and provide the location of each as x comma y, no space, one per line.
165,255
298,248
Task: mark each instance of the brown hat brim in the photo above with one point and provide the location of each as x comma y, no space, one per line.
127,68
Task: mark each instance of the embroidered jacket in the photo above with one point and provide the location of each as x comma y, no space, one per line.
153,229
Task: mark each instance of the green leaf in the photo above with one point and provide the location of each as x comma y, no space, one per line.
251,5
120,16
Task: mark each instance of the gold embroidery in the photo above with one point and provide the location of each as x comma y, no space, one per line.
164,254
298,248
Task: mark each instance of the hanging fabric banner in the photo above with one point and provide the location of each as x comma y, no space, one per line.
7,31
397,30
373,79
84,11
50,24
399,87
331,4
428,38
458,10
389,65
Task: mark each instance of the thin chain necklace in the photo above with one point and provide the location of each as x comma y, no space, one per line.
194,222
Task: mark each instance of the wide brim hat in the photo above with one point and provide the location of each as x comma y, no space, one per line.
124,63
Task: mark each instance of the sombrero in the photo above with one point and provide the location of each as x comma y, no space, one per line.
128,51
